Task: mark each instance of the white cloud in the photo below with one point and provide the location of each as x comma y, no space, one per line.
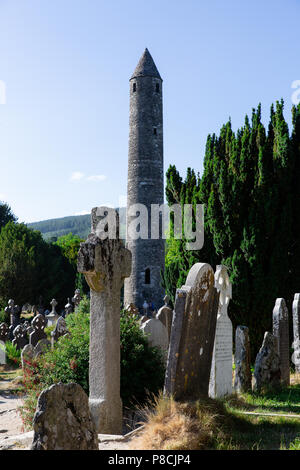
96,178
76,176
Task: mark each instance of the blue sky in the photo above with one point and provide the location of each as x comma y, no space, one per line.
66,66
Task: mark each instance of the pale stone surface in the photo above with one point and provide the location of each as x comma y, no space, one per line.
157,335
2,353
60,330
192,335
53,316
296,331
105,264
62,420
220,383
242,360
27,354
281,331
267,364
165,315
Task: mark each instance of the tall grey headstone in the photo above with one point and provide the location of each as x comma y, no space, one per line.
281,331
242,360
296,331
192,335
105,263
220,383
267,365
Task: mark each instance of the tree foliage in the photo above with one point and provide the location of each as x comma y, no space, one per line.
251,192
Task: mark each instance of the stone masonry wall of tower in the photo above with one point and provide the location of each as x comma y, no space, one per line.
145,180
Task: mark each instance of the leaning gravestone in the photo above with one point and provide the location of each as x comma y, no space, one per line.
157,335
242,360
105,263
281,331
62,420
296,331
38,324
165,315
192,335
221,369
267,364
60,330
2,353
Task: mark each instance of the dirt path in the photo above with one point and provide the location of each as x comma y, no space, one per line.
10,420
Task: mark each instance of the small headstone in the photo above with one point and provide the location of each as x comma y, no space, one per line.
220,383
20,337
242,360
42,346
157,335
105,263
60,330
4,332
2,353
62,420
165,315
76,299
68,308
281,331
53,315
27,355
267,364
296,331
38,324
192,335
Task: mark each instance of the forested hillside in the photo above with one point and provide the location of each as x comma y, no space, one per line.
54,228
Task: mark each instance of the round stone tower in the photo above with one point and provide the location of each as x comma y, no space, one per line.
145,181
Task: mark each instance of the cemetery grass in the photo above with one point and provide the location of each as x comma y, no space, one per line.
221,424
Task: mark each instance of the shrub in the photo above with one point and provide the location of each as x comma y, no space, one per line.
142,368
13,354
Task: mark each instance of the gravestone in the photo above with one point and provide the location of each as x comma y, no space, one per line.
165,315
2,353
38,324
105,263
27,355
62,420
296,331
157,335
76,299
42,346
68,308
281,331
4,332
242,360
20,336
267,365
60,330
220,383
192,335
53,316
14,313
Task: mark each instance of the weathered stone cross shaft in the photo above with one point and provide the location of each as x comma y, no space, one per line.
105,263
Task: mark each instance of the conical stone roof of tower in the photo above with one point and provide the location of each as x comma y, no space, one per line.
146,67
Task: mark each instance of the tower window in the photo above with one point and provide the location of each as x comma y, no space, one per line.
157,88
147,276
154,130
134,87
